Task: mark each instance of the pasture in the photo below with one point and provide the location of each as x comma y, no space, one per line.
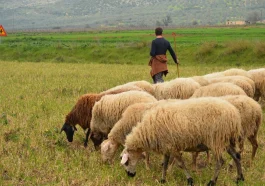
34,99
240,46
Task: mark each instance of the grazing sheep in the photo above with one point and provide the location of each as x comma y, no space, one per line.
249,80
236,72
180,88
109,109
144,85
134,85
125,87
218,89
201,80
81,112
122,128
187,125
229,72
258,76
214,75
240,81
131,116
251,119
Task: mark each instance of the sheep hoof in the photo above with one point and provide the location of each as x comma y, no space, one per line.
162,181
85,145
211,183
190,182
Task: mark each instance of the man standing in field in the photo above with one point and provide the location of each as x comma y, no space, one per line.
158,61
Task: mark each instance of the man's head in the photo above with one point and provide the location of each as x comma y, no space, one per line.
158,31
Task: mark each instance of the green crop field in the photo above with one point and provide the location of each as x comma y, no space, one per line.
239,46
34,99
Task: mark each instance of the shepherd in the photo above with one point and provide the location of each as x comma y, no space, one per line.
158,61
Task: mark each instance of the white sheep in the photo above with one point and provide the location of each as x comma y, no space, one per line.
236,72
258,76
125,87
214,75
108,110
218,89
134,85
187,125
180,88
245,83
131,116
251,117
229,72
144,85
203,81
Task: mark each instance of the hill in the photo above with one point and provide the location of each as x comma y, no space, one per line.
33,14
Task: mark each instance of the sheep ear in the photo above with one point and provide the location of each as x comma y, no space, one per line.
74,128
63,128
125,158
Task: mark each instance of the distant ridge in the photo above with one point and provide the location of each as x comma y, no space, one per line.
56,14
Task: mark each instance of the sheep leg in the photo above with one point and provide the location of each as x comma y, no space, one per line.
194,160
147,160
236,157
262,99
254,143
181,164
219,163
172,162
87,135
257,95
241,149
208,157
241,145
165,165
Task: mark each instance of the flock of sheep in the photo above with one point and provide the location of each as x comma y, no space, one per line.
215,112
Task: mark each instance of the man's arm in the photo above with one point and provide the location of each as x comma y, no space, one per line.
153,49
172,53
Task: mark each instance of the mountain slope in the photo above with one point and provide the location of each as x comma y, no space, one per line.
32,14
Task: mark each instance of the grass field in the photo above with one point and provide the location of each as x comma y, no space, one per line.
34,99
239,46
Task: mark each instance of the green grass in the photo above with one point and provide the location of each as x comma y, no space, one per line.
133,46
34,99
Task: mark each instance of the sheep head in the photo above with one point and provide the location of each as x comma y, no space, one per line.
129,160
69,131
97,138
108,149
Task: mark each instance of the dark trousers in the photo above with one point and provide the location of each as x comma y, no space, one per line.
158,78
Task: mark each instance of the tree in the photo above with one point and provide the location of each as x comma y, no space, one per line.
158,23
167,20
194,22
253,17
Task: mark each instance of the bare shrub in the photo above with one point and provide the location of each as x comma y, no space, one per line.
206,49
236,47
259,49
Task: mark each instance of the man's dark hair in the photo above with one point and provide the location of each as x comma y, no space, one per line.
158,31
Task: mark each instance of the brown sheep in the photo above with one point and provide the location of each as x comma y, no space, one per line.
81,113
